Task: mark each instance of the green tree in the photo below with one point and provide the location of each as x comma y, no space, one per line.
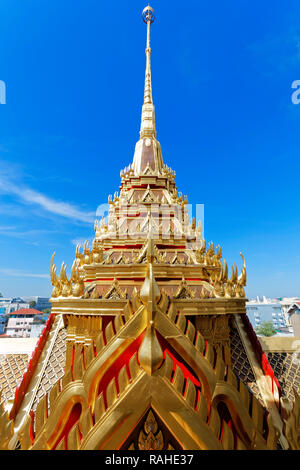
47,310
32,304
266,329
1,294
39,320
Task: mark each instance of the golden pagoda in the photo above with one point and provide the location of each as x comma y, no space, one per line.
148,345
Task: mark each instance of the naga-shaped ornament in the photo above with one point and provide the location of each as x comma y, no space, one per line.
241,281
55,281
65,282
77,281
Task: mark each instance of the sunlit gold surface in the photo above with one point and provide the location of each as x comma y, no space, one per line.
147,313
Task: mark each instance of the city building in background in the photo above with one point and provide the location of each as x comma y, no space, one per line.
3,320
5,302
41,303
268,310
17,303
20,322
286,304
37,326
293,314
11,304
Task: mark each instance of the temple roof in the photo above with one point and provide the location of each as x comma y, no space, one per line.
12,368
284,357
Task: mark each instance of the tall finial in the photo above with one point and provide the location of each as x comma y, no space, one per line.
147,150
148,18
148,117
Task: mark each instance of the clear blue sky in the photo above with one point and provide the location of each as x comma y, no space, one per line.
222,75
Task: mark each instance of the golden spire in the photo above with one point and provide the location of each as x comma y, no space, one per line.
147,151
148,116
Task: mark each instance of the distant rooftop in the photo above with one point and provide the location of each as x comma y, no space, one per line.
263,300
276,300
27,311
13,300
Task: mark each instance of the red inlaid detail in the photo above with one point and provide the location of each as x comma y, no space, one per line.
27,376
176,247
141,279
72,420
226,419
106,319
260,354
123,247
125,356
31,431
73,357
178,361
140,245
136,279
152,186
115,368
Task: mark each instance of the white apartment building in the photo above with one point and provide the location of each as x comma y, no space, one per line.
20,321
265,310
286,304
12,304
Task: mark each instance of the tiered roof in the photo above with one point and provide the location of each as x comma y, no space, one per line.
154,340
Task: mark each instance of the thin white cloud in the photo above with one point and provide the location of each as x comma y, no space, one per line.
12,231
7,228
30,196
19,273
